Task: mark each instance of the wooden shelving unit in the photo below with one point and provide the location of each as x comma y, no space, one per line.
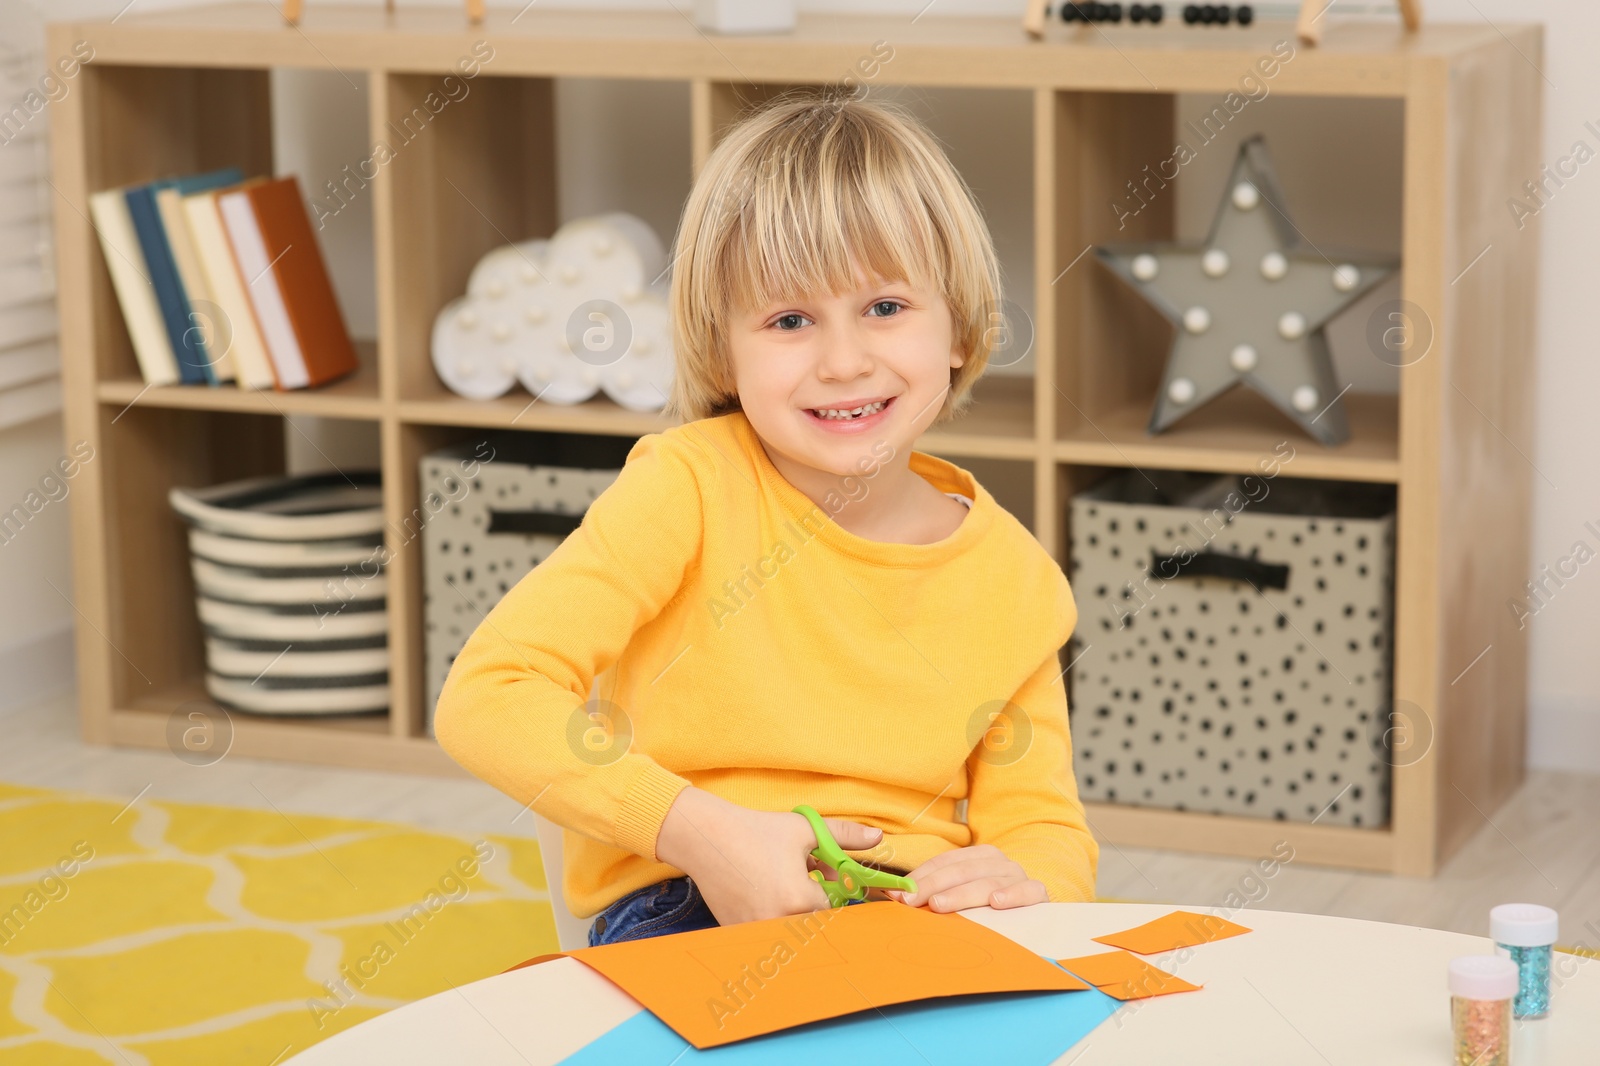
188,90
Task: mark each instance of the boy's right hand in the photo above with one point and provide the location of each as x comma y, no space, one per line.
750,865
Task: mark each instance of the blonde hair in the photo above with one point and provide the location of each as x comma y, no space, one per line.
787,197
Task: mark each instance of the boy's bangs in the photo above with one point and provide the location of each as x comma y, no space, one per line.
801,224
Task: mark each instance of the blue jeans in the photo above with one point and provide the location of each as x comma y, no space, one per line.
671,906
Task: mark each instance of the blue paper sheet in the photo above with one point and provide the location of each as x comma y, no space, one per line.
1017,1028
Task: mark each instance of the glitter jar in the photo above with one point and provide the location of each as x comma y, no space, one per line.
1481,990
1525,933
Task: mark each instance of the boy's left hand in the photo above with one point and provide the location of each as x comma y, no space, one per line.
978,876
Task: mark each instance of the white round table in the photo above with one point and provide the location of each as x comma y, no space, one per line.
1298,989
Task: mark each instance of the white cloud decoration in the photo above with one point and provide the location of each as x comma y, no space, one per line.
582,312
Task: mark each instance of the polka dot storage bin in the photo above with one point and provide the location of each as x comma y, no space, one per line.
491,509
1233,646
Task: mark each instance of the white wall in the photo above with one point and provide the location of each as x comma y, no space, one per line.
36,655
321,127
37,626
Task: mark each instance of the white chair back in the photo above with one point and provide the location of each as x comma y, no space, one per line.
571,931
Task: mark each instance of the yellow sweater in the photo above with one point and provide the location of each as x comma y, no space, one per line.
747,644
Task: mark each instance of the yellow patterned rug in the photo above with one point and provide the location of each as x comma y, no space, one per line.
172,933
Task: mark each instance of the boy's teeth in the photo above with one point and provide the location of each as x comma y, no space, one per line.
849,413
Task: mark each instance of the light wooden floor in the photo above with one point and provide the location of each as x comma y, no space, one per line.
1542,847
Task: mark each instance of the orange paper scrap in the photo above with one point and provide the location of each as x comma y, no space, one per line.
728,983
1124,977
1180,929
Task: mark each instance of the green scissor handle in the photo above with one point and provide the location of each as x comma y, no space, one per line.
854,878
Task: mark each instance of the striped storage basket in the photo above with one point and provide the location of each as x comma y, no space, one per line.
291,588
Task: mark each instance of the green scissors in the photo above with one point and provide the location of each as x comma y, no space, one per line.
854,878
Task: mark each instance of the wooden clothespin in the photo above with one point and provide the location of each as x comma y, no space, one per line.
1309,26
293,8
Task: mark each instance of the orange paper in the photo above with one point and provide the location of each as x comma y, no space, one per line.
1124,977
715,986
1180,929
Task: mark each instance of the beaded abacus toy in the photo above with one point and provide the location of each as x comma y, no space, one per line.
1193,14
1307,15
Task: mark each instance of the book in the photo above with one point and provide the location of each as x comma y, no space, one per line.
171,303
288,283
130,277
252,364
216,335
194,362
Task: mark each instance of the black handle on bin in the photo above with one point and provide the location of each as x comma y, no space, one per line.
1227,567
548,522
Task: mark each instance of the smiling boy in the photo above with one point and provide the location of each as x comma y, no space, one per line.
898,671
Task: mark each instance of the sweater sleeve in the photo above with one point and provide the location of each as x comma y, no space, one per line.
514,708
1023,795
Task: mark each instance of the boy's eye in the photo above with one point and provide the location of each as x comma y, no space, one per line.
788,323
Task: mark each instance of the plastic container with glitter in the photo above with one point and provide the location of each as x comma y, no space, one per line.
1525,933
1481,990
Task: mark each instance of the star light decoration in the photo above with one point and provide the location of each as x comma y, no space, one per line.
1249,303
